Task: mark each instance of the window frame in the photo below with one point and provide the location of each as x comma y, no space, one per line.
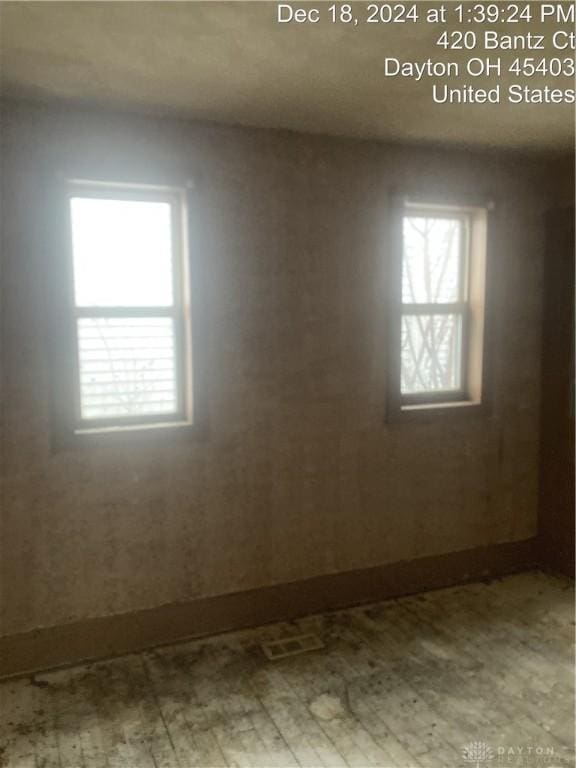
69,428
470,397
459,308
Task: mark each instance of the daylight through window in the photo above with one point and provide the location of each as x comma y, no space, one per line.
436,308
129,305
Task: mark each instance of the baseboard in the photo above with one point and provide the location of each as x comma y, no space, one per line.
99,638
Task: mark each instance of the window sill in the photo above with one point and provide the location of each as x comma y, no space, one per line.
149,434
426,412
167,425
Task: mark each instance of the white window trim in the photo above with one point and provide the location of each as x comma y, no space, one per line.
179,311
472,397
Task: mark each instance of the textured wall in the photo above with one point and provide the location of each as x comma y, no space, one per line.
300,476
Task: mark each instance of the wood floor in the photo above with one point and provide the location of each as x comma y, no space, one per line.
409,682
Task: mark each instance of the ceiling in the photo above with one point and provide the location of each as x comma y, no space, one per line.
233,63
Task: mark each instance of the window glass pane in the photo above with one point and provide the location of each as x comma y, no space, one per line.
431,260
122,253
431,353
127,367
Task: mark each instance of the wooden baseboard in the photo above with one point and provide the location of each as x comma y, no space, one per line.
108,636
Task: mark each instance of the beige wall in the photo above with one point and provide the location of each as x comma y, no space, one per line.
300,476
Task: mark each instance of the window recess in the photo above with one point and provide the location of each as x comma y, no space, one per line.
438,306
129,361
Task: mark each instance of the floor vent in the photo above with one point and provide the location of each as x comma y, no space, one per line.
291,646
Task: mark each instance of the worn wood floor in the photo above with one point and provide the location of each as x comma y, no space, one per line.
409,682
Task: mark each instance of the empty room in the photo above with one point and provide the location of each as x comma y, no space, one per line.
287,384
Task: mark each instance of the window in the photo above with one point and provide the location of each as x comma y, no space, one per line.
130,307
440,316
